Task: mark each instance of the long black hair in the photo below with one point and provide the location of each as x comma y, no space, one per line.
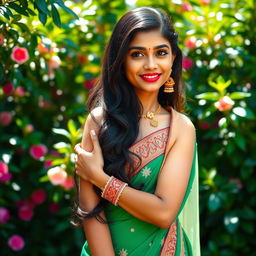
120,104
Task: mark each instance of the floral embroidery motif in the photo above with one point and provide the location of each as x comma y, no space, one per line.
150,244
123,252
162,241
150,147
132,229
146,172
169,247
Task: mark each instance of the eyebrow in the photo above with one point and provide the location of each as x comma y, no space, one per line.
143,48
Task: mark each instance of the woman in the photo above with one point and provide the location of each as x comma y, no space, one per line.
138,149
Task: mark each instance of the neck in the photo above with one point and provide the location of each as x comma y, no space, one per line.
149,101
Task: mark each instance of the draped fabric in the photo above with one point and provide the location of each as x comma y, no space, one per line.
134,237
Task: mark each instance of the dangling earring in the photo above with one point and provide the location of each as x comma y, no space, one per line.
168,85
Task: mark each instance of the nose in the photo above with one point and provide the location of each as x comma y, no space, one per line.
150,63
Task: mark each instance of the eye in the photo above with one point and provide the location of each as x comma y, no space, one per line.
136,54
162,52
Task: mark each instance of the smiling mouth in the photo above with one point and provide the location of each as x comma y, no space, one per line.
150,78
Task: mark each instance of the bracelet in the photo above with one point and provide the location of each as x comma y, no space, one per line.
113,190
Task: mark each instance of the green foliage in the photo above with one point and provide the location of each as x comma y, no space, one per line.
46,106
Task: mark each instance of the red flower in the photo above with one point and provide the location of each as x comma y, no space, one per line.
4,215
8,88
38,151
187,63
19,54
190,42
38,196
224,103
5,118
16,242
54,207
68,183
26,212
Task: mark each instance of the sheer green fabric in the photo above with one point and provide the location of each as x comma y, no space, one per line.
134,237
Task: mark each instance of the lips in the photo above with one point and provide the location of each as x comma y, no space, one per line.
150,77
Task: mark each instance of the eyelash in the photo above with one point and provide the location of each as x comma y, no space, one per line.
134,54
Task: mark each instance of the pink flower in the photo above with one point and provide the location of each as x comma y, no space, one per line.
26,212
8,88
16,242
3,168
186,7
4,215
1,39
48,163
5,118
190,42
38,151
38,196
205,2
224,103
53,63
19,54
54,207
68,183
187,63
28,128
19,91
6,177
57,175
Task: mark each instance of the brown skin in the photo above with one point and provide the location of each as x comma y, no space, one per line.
174,175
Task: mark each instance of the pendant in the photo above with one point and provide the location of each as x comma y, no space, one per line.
154,123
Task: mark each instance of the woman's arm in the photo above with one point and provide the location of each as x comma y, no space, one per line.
97,234
161,207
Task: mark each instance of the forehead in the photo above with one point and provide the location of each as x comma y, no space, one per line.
148,39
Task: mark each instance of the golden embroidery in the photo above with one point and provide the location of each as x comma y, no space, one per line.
150,147
123,252
169,247
182,242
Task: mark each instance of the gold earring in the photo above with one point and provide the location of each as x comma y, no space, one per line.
168,85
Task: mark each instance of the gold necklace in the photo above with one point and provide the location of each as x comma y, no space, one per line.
151,115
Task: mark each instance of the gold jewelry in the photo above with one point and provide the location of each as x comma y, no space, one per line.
168,85
151,115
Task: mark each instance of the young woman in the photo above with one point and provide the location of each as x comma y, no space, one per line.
138,148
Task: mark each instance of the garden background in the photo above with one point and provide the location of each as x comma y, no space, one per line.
50,55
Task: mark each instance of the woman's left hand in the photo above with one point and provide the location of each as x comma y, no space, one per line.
89,164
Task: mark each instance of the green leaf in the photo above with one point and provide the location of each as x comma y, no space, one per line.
42,17
18,8
56,16
221,85
23,27
62,132
42,6
239,95
61,145
240,141
208,96
72,128
214,202
64,7
16,18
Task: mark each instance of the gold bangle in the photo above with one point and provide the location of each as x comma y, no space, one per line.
119,193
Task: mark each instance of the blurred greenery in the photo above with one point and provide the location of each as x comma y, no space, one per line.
42,102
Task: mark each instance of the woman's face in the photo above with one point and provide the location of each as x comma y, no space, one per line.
148,61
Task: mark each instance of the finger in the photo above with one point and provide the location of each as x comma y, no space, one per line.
78,148
95,141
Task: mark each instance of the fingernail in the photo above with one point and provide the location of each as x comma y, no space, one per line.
93,132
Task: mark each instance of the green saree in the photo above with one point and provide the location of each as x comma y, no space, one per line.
134,237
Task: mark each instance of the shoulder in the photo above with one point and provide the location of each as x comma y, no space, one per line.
95,118
183,125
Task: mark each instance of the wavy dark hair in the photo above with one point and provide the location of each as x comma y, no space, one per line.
120,104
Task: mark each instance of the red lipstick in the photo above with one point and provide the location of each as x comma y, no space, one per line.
150,77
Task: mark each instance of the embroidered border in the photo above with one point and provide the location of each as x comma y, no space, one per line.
150,147
182,253
170,242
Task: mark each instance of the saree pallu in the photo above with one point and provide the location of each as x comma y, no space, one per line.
134,237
